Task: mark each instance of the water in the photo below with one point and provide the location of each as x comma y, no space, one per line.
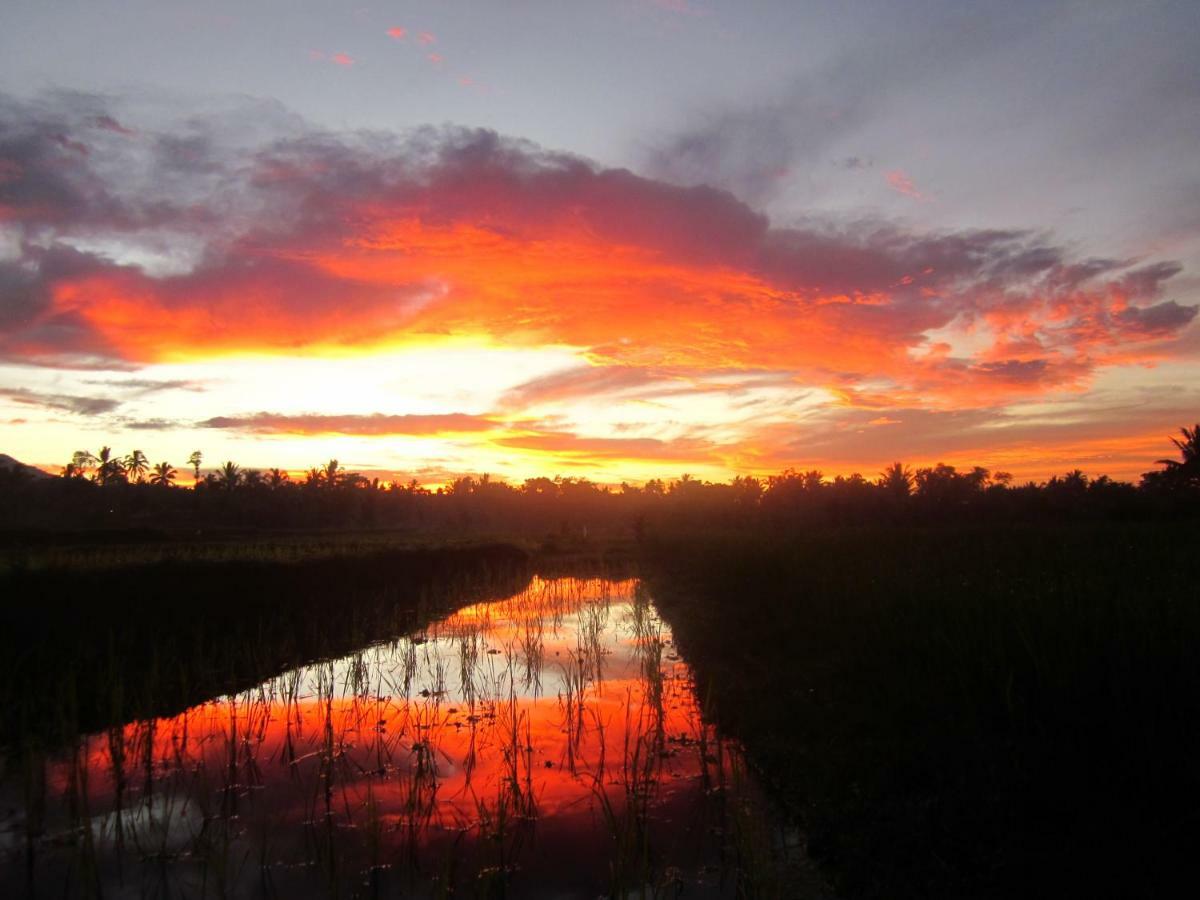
546,745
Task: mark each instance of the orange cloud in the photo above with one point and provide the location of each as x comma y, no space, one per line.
495,240
565,447
329,246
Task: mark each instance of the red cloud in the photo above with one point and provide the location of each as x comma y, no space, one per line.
342,59
397,32
426,38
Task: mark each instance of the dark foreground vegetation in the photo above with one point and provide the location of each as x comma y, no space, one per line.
962,712
106,493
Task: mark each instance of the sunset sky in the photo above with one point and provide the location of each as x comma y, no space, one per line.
617,239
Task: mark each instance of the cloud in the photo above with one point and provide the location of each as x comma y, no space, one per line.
151,424
397,33
142,387
426,38
377,424
850,81
314,242
579,381
565,446
902,183
1160,319
1108,432
82,406
342,59
609,382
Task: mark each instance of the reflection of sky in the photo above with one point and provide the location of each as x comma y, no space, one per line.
1074,123
460,697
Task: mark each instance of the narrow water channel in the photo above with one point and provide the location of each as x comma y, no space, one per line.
545,745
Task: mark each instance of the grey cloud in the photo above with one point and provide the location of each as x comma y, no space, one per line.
141,387
151,424
374,424
83,406
752,148
1160,319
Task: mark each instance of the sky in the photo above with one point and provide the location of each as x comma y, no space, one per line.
615,239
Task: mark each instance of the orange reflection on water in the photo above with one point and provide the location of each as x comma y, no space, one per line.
510,736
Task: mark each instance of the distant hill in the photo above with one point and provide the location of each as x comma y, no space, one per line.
7,462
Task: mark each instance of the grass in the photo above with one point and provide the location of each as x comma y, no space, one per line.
961,712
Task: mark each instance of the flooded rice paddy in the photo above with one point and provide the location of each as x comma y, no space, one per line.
545,745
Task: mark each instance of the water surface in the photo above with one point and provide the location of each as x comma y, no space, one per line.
546,745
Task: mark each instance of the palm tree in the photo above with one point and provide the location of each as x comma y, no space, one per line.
276,478
136,465
1190,445
331,474
194,461
1187,471
896,479
252,478
108,467
229,475
164,474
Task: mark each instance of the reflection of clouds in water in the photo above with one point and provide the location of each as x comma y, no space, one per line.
563,707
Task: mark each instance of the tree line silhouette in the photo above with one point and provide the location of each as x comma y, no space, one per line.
105,490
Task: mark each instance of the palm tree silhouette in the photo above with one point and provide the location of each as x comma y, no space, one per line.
136,465
229,475
276,478
331,474
194,461
164,474
108,467
896,479
1187,471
